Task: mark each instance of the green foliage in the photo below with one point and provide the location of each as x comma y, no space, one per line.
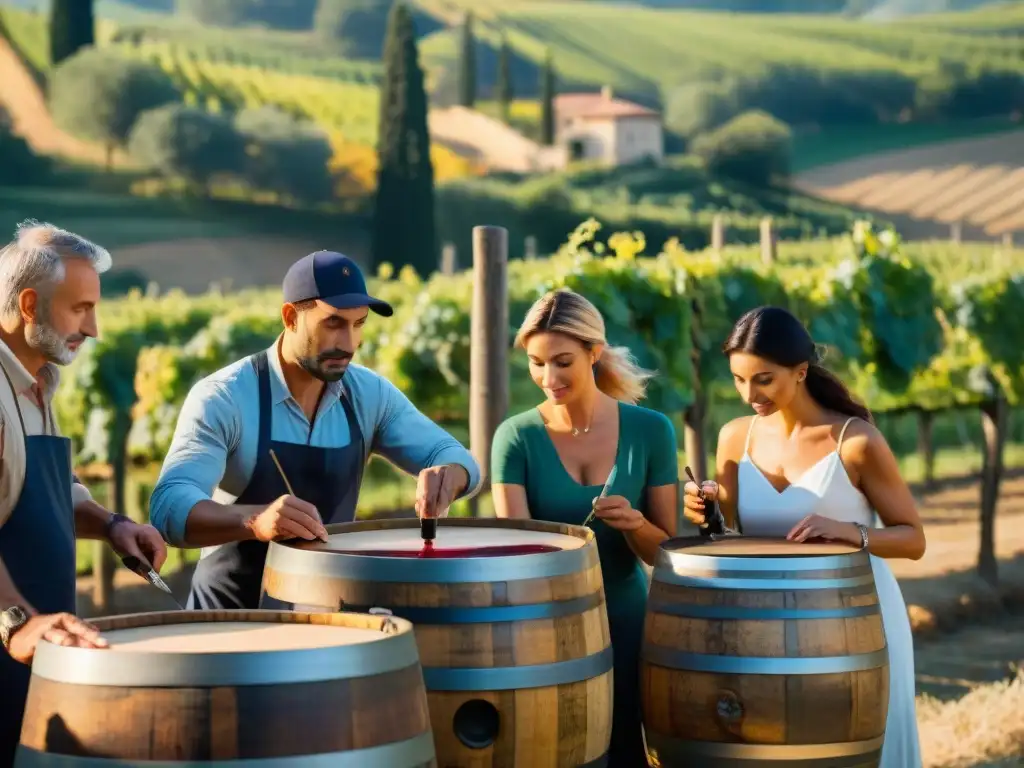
503,91
897,301
403,223
865,297
186,142
987,307
547,102
220,13
467,63
71,28
98,96
753,147
804,69
353,28
675,199
20,165
285,155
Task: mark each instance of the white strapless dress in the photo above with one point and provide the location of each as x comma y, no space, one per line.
826,490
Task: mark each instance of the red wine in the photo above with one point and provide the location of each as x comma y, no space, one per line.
429,550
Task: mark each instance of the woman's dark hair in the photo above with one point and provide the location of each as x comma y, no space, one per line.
776,335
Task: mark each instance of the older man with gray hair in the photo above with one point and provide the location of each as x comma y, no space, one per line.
49,288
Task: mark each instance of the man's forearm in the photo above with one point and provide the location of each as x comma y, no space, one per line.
210,523
91,521
9,594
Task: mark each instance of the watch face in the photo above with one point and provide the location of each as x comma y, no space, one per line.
13,616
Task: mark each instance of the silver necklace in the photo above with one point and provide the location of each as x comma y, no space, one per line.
576,430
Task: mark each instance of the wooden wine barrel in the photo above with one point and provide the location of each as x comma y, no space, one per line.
763,652
234,688
515,648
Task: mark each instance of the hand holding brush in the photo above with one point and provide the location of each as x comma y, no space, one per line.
704,510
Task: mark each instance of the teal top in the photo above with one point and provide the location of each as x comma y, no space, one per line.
524,454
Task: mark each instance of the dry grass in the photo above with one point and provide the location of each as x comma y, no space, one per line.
984,729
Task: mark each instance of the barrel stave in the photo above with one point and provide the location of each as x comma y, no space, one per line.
564,725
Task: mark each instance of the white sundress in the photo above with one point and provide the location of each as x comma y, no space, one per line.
826,490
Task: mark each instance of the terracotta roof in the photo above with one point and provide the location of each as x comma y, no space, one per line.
595,106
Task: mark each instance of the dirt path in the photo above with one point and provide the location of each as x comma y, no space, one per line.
25,102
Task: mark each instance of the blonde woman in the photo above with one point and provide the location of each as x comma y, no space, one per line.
551,462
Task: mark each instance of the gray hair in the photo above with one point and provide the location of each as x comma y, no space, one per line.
35,259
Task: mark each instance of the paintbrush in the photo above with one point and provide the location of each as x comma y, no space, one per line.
135,565
714,520
284,477
604,492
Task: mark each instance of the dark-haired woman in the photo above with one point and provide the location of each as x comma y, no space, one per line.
810,465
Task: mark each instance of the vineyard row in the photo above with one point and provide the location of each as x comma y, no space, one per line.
901,333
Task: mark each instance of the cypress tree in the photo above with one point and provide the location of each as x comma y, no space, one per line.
504,84
547,102
71,27
403,223
467,64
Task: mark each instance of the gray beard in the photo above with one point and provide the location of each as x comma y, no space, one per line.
44,339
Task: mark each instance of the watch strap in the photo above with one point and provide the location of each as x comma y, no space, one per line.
115,519
863,530
11,620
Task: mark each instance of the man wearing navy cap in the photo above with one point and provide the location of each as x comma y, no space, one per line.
321,416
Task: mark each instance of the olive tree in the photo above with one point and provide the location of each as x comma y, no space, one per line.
97,96
180,141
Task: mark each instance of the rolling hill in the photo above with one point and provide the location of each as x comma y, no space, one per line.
978,183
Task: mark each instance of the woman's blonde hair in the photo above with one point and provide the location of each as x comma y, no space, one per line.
563,311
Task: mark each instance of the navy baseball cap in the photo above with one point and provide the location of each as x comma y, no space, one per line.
333,279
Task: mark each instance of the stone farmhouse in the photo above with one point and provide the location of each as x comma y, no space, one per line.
588,126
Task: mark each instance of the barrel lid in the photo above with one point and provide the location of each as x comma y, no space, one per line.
737,545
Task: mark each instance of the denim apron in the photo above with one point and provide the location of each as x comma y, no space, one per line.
231,576
37,546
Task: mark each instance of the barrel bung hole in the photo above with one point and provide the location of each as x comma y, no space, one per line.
476,723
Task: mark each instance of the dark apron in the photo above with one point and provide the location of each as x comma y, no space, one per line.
231,576
37,546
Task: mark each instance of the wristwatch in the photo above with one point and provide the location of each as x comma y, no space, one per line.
114,519
11,620
863,531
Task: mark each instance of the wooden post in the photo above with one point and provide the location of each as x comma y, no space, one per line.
693,419
926,447
769,245
449,259
956,232
718,232
994,420
530,248
104,564
488,363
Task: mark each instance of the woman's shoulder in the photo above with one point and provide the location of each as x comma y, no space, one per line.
517,426
642,417
736,430
856,437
